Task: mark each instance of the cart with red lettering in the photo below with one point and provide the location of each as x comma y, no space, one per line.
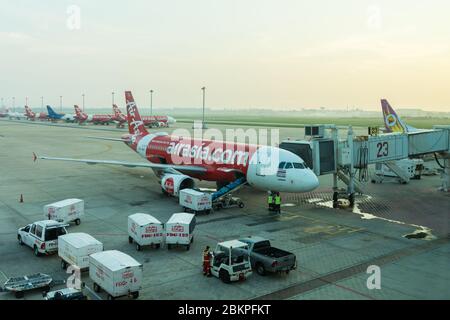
116,273
145,230
180,230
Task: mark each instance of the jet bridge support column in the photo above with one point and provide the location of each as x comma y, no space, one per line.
335,137
446,174
351,184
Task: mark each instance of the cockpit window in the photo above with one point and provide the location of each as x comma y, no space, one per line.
288,165
299,165
281,166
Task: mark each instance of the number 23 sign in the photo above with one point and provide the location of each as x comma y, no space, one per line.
382,149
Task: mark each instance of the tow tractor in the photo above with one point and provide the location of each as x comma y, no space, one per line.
229,262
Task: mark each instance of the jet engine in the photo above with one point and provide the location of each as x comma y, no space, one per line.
171,184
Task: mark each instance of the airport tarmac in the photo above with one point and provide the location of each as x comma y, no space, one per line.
334,247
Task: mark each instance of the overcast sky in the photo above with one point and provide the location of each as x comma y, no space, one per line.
248,53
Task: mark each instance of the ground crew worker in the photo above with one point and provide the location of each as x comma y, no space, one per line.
270,201
278,202
206,262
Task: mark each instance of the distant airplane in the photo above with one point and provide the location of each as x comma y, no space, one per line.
3,113
83,117
392,121
118,116
32,115
151,121
15,115
178,160
59,116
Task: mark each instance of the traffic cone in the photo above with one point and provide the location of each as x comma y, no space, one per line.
21,198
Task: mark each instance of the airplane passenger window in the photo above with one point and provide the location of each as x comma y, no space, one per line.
288,165
281,166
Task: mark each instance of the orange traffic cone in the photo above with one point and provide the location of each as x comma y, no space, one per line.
21,198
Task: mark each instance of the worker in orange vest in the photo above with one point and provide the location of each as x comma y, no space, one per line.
206,262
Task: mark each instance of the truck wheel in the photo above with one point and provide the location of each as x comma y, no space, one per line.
110,297
188,247
77,222
19,294
97,287
208,211
260,269
158,245
138,247
224,276
169,246
20,240
241,205
63,264
136,295
36,251
130,240
192,239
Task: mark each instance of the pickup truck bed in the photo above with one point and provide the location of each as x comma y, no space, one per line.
272,252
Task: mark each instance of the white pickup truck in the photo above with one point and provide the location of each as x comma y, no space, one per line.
42,236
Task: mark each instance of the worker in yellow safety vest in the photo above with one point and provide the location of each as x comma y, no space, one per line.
278,203
270,201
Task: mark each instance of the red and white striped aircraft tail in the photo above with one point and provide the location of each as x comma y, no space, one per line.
135,123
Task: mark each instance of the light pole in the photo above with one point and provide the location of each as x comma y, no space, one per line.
112,94
203,117
42,104
60,103
14,104
83,101
2,102
151,102
26,101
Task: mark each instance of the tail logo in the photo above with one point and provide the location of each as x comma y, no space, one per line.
391,120
133,122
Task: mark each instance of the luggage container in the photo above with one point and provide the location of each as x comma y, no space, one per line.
145,230
195,201
65,211
116,273
180,230
75,248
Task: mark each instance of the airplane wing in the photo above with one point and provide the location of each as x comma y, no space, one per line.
157,166
109,139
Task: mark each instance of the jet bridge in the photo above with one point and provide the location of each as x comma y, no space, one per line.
327,154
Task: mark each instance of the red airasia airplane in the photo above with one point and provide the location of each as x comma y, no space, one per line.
177,161
150,121
82,117
118,116
33,116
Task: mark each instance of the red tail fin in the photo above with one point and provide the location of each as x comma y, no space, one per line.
78,111
135,123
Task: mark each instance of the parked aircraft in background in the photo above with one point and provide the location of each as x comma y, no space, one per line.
153,121
118,116
33,116
59,116
178,160
392,121
82,117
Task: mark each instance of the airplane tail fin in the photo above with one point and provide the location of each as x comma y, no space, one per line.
51,112
392,121
116,110
78,111
135,123
28,111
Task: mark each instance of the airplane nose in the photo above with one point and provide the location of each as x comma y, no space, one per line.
313,181
172,120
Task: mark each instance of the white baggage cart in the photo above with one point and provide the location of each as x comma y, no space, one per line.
145,230
180,230
115,272
65,211
195,201
75,248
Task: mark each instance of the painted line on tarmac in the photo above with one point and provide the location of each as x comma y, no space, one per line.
332,278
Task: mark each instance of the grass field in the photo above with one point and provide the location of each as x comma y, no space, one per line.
423,123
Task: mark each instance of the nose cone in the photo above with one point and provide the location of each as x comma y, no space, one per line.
312,181
172,120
